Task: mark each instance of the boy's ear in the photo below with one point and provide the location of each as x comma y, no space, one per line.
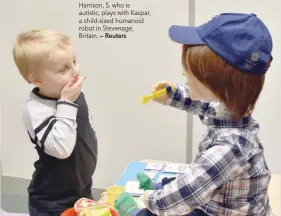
34,79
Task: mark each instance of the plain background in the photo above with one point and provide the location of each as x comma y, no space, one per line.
118,73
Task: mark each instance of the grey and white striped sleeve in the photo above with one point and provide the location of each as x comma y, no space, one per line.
52,126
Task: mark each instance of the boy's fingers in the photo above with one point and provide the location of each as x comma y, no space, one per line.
70,82
80,81
160,85
163,84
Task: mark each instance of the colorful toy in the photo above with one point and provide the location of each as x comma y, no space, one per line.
87,207
146,98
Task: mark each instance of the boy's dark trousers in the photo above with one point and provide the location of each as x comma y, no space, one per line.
34,212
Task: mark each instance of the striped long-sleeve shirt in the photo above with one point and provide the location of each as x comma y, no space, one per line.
229,175
66,143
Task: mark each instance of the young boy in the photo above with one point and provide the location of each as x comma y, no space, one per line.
225,61
57,122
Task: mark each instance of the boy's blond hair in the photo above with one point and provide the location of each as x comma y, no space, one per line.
32,49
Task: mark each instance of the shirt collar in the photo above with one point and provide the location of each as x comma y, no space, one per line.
219,116
36,91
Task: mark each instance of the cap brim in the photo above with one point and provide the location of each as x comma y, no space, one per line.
185,35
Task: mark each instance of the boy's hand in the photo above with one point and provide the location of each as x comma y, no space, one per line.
72,89
126,205
158,86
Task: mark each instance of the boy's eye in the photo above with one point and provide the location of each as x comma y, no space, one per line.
74,61
64,69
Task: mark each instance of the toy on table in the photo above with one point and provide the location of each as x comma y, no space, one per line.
84,203
112,193
128,205
71,212
146,98
106,199
145,182
87,207
95,211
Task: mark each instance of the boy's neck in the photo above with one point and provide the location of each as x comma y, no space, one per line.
43,95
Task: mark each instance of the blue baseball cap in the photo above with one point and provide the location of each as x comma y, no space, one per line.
240,39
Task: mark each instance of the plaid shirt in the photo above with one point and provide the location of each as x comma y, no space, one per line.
229,175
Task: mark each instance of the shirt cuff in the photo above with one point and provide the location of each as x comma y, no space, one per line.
66,109
170,93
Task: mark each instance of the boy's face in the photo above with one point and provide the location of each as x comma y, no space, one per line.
197,91
59,68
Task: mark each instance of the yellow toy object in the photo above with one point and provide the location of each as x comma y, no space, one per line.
146,98
113,193
95,211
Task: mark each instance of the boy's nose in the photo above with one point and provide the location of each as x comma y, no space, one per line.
75,72
77,69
